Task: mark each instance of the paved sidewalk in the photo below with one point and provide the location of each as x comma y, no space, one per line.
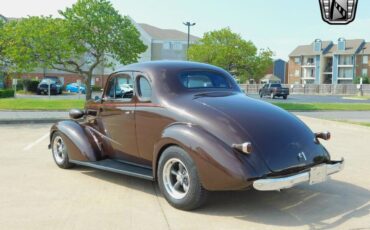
32,116
354,116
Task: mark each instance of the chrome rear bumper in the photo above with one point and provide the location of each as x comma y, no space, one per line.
270,184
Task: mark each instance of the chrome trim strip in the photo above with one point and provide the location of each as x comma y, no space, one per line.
271,184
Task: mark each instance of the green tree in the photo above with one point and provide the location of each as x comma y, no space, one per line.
230,51
90,34
365,80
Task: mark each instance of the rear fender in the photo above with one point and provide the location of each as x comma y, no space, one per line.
80,142
218,166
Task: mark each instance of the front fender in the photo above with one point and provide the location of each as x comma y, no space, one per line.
80,143
219,167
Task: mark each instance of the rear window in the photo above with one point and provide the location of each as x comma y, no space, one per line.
276,85
203,79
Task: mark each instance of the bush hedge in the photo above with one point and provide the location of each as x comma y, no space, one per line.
96,88
5,93
365,80
30,85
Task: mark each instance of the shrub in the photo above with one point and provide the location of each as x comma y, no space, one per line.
96,88
30,85
19,84
365,80
4,93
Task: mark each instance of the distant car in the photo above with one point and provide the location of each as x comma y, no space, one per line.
274,90
189,127
126,88
55,86
75,88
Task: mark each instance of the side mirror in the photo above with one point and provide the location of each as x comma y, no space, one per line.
76,113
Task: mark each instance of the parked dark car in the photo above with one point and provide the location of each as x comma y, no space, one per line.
274,90
189,127
56,86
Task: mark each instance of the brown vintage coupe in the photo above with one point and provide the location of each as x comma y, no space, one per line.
189,126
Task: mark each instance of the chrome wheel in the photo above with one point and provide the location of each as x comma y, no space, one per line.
59,150
176,178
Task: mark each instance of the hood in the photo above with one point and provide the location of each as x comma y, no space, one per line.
278,137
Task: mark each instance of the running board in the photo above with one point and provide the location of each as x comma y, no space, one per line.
118,167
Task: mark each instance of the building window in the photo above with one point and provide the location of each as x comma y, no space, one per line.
177,45
346,73
167,45
364,72
297,60
345,60
365,59
296,73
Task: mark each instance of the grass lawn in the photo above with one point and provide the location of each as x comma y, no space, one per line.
39,104
324,106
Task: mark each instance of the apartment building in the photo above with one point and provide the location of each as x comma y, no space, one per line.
323,62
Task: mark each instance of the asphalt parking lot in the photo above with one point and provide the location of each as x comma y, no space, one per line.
36,194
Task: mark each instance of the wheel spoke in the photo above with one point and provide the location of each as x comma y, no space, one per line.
177,185
173,172
181,168
185,187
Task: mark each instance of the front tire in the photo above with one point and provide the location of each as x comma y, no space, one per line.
178,180
272,96
60,152
285,97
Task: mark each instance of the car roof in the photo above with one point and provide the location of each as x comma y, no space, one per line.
168,65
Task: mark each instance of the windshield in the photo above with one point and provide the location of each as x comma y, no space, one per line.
204,79
45,81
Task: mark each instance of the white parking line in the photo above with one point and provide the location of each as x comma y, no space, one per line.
28,147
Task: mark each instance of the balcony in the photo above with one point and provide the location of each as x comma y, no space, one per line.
309,65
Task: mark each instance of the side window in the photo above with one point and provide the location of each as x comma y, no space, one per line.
124,87
120,87
144,88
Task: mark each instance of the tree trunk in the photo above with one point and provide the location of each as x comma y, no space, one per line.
88,86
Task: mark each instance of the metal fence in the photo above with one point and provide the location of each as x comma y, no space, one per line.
313,89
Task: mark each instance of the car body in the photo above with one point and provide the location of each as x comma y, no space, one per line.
274,90
76,88
55,86
187,121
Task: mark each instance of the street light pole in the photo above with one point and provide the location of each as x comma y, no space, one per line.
188,24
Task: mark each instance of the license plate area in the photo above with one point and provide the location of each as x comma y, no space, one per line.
318,174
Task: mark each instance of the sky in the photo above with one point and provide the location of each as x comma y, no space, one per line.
280,25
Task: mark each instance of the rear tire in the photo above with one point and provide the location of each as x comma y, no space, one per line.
285,97
59,151
178,180
261,95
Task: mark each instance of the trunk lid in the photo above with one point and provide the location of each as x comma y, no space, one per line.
280,138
